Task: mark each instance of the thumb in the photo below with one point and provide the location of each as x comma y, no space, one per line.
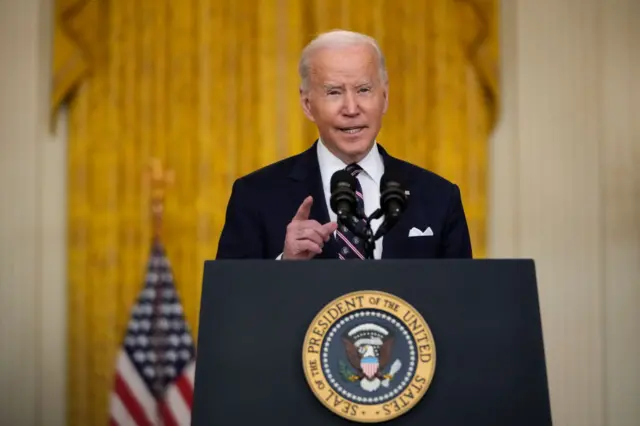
304,209
328,228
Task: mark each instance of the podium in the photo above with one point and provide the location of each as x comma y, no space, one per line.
403,342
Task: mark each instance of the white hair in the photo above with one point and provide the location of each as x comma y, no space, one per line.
334,39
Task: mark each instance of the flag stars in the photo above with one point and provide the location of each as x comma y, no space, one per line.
170,371
158,263
171,309
142,311
149,294
163,324
139,356
149,372
145,325
158,341
174,340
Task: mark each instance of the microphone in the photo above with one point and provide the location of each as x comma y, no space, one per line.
393,199
393,202
343,199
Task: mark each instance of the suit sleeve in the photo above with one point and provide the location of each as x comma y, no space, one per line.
242,234
457,242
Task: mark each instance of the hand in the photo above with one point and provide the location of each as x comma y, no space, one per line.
305,238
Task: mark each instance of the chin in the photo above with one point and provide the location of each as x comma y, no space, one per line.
354,151
356,146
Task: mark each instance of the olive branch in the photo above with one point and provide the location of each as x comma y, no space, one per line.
346,372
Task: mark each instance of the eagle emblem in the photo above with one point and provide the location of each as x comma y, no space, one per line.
361,359
368,348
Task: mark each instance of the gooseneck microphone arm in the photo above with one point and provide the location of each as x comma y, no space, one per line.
343,202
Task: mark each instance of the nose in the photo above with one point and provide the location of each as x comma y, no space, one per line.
351,107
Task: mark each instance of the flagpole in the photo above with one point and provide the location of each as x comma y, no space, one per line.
156,362
158,179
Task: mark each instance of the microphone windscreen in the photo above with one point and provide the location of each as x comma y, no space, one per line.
343,177
392,196
387,180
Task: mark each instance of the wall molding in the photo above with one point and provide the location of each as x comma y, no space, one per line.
565,191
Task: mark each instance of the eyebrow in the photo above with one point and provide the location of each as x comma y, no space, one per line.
332,86
341,86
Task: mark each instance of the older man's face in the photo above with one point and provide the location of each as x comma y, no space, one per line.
346,99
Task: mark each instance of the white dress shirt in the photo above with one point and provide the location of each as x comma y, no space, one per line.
373,169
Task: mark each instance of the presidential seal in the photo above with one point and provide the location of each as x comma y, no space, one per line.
369,356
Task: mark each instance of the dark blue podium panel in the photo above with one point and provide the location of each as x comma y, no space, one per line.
447,342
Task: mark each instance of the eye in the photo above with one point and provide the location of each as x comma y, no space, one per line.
365,89
333,92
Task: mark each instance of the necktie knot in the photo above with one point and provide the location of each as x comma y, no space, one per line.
354,169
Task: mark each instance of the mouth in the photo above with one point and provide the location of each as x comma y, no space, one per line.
352,130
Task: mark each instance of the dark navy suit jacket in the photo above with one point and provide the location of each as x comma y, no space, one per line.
263,203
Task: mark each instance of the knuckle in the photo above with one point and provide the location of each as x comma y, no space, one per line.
292,228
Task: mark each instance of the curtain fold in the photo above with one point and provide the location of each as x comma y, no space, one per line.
210,88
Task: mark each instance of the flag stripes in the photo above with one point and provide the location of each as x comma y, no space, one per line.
155,368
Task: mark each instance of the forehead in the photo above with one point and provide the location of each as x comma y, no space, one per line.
346,64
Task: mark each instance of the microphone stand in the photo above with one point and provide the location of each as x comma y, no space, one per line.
355,225
392,198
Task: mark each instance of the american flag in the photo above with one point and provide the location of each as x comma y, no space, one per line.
155,365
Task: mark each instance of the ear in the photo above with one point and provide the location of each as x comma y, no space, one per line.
385,94
306,104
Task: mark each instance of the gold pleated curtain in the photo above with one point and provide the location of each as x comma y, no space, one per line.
210,87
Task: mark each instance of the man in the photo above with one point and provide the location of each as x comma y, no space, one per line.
282,211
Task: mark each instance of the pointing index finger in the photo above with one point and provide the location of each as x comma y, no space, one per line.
304,210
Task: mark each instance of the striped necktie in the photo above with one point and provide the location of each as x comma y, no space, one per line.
351,246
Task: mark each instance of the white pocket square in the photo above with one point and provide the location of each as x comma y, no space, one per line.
415,232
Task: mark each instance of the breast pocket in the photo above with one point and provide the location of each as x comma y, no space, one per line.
421,247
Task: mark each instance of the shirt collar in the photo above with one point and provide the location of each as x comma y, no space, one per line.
371,164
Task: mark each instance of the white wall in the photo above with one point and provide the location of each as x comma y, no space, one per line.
566,192
32,223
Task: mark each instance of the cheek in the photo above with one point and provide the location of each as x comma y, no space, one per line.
326,113
375,108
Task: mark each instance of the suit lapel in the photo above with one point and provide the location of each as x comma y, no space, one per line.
395,240
306,174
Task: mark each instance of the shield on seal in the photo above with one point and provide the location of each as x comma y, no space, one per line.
369,366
